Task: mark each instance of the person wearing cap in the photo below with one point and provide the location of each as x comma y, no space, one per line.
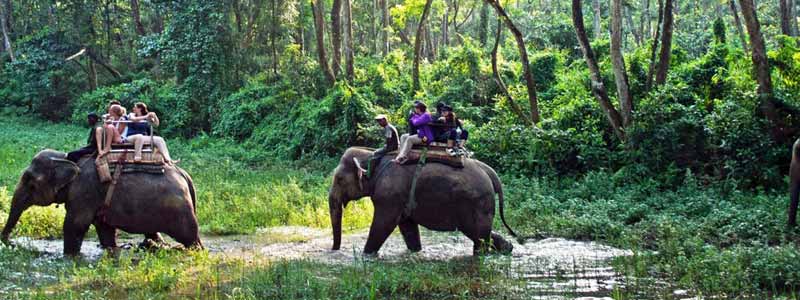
411,128
457,135
389,134
424,135
91,146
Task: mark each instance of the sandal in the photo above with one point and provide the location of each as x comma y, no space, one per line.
400,160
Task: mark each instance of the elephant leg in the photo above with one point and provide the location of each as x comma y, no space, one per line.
379,231
186,232
480,234
106,234
410,231
500,245
74,231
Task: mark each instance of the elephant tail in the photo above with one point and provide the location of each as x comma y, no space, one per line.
190,183
498,188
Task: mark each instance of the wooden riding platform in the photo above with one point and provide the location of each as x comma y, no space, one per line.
124,153
437,153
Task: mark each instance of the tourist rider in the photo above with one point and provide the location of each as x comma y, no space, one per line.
139,132
421,120
457,135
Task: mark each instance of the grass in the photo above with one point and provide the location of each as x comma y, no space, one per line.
170,274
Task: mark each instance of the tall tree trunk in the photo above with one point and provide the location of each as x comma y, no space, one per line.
300,36
523,54
373,21
499,79
644,27
761,69
483,24
429,44
651,70
618,63
793,17
418,40
336,35
738,24
348,52
445,26
274,34
9,14
385,26
666,44
786,17
597,85
137,19
598,32
4,27
637,37
319,28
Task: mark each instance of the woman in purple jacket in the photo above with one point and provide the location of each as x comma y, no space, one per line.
424,135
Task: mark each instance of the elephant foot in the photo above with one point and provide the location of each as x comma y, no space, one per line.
370,255
151,244
500,245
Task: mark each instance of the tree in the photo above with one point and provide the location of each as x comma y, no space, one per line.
654,48
385,23
499,79
761,69
598,32
597,85
786,7
738,24
319,26
483,24
618,63
4,27
336,35
137,20
348,32
666,44
523,54
418,40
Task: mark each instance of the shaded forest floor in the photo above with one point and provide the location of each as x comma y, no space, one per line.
709,239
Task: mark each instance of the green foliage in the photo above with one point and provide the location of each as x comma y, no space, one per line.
40,79
196,48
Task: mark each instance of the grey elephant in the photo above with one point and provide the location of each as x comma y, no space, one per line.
448,199
142,203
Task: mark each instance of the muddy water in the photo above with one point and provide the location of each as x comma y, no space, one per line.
551,268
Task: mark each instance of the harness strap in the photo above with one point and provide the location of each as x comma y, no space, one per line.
412,203
110,191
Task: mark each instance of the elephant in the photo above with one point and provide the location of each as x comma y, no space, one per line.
794,184
142,202
448,199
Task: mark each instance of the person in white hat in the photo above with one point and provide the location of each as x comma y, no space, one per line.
389,134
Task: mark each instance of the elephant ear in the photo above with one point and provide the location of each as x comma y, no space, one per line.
64,171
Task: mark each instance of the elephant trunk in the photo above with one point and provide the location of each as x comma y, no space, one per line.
336,208
18,205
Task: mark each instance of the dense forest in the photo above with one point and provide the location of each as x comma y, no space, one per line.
550,87
655,125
